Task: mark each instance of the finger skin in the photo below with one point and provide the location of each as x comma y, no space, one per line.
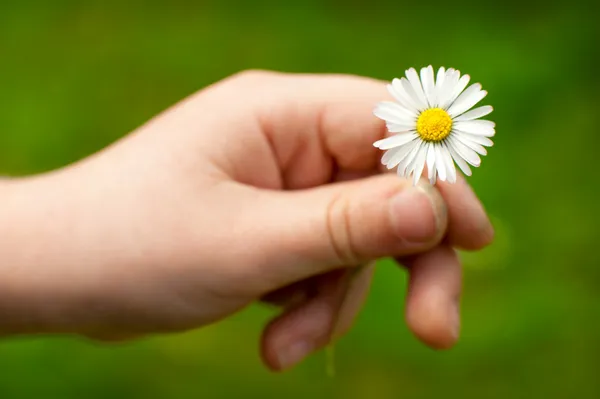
176,249
315,124
310,232
322,319
469,226
432,304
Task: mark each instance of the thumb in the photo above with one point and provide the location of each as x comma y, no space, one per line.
308,232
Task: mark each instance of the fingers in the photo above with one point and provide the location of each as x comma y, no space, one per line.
312,120
432,306
432,309
309,232
294,294
468,224
310,326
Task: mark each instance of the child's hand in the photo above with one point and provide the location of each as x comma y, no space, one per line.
262,187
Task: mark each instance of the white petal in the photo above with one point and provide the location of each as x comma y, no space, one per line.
450,82
389,155
397,128
428,83
439,161
458,88
458,159
474,146
407,86
480,127
408,173
477,139
395,140
393,112
410,166
394,93
403,158
489,134
419,164
467,100
465,152
439,80
431,161
399,94
450,169
475,113
415,82
407,161
439,83
398,154
452,75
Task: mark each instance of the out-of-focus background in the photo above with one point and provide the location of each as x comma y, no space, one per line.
77,75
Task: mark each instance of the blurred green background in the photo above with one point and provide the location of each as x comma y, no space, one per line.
77,75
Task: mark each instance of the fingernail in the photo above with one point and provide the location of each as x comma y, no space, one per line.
294,353
417,214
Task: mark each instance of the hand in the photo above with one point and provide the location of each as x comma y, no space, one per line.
264,186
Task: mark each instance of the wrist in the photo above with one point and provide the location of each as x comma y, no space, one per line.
33,219
53,243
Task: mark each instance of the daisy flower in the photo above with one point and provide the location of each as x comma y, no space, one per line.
431,125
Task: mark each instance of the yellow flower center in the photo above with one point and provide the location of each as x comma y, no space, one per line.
434,124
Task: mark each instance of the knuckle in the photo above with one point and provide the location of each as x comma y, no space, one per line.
339,231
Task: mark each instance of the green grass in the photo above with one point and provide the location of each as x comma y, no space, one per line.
75,76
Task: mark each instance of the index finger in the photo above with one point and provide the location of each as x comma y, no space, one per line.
327,114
